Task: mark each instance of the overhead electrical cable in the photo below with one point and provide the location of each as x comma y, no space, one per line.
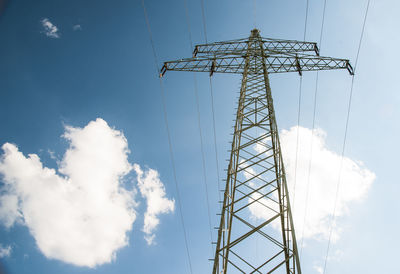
299,112
215,138
203,16
169,136
312,135
255,12
212,103
305,21
345,136
199,126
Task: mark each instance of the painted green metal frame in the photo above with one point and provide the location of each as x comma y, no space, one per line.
256,176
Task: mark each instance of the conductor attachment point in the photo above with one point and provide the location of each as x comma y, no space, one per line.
349,68
298,66
163,70
316,49
212,68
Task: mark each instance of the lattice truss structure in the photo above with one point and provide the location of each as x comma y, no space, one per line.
280,56
256,232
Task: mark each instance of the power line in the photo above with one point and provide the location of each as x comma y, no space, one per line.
299,111
305,22
203,16
203,159
199,125
212,103
297,139
345,135
255,12
169,136
215,138
312,134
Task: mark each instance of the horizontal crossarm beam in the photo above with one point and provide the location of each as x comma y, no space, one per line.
275,64
240,47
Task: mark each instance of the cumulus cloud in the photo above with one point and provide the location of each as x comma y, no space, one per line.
355,183
49,28
152,189
80,214
5,251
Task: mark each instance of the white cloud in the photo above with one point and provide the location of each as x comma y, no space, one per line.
318,269
153,190
80,214
49,28
5,251
9,211
52,154
355,183
77,27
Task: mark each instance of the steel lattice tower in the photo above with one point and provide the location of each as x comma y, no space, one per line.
256,181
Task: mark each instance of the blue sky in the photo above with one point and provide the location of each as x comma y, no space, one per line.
105,69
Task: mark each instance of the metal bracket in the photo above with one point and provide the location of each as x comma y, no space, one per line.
212,68
349,68
298,66
195,51
316,49
163,70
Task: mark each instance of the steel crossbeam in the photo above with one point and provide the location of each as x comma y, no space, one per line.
256,206
280,56
239,47
276,63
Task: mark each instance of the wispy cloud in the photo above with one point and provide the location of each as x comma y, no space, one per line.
50,30
77,27
5,251
153,190
318,269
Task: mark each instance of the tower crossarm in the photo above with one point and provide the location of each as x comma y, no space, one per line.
239,47
275,63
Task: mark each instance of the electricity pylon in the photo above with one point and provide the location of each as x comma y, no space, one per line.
256,215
